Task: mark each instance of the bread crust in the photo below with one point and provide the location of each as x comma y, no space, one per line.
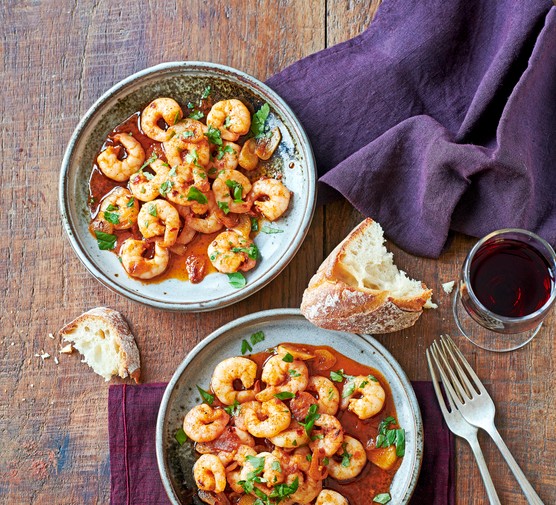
129,362
334,301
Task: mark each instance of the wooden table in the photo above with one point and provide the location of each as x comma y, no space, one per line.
57,59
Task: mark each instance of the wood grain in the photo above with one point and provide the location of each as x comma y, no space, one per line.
57,60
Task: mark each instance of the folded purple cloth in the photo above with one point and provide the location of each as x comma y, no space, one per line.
132,412
441,115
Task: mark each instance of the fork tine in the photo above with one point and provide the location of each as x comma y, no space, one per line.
436,385
464,379
471,372
448,385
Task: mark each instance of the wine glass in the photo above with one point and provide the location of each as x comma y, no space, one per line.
506,289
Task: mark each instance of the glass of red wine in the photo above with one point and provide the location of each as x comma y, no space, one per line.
506,289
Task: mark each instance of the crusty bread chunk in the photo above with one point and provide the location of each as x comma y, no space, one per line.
359,289
104,339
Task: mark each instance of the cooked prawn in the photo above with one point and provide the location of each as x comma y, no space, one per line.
371,396
243,225
282,376
207,220
328,396
177,182
230,252
144,185
186,235
352,460
225,157
137,265
122,208
231,117
307,491
329,438
187,144
121,170
329,497
293,436
272,471
161,108
160,220
228,371
209,473
230,189
270,197
276,416
204,423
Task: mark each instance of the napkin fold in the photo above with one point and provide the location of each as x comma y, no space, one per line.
441,115
132,413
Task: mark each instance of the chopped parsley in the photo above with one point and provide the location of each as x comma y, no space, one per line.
294,373
105,241
206,396
131,202
382,498
165,187
258,123
196,195
252,251
285,395
196,114
223,150
206,93
337,376
112,217
346,456
223,206
234,409
269,230
180,436
214,136
257,337
245,346
387,437
237,190
288,358
254,224
152,209
152,159
310,419
193,158
237,280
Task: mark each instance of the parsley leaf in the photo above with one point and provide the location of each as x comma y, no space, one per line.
254,224
197,114
245,346
193,158
288,358
234,409
165,187
111,207
112,217
285,395
205,395
224,207
252,251
237,280
310,419
382,498
283,490
196,195
131,202
153,158
294,373
214,136
337,376
223,150
206,93
269,230
105,241
152,209
236,188
257,337
387,437
180,436
346,456
258,122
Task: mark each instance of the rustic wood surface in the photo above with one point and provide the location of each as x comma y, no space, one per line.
58,57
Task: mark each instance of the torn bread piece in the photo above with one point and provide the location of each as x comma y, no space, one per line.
104,339
359,289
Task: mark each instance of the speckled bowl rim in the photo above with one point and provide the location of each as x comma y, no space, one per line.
407,388
249,289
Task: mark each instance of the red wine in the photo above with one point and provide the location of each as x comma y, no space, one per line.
511,278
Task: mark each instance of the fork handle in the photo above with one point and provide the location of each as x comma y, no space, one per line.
528,491
485,474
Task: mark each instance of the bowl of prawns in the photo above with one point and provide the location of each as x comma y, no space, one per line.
187,186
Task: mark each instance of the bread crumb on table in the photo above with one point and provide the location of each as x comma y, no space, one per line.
448,286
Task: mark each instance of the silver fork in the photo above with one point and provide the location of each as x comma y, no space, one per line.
476,406
459,426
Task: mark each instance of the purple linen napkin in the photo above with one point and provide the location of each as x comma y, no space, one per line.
441,115
132,412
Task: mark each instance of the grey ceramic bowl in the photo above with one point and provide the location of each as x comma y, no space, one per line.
175,462
186,81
